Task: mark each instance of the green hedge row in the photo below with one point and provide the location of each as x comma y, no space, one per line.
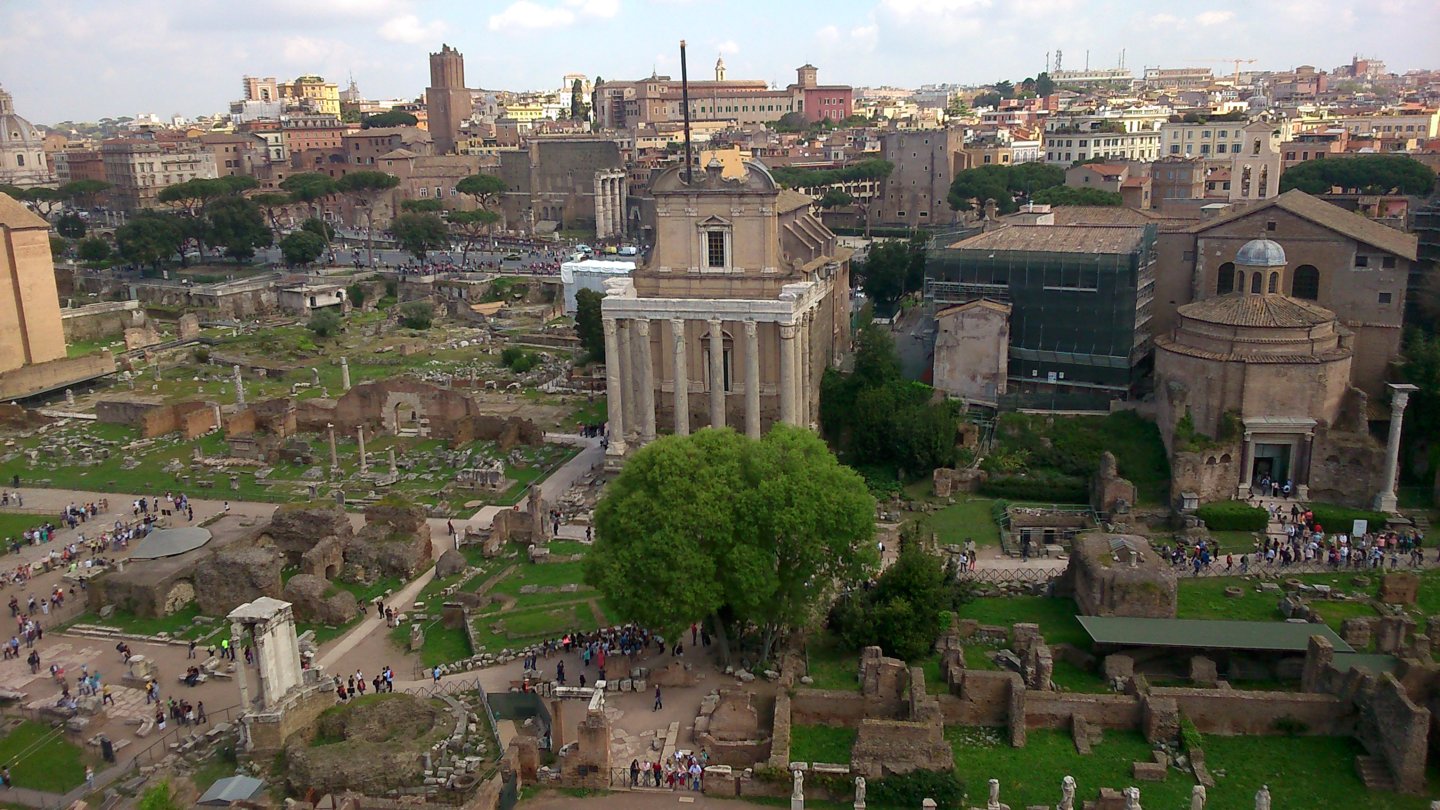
1233,516
1340,518
1045,488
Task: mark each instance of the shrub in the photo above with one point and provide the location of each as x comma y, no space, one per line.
202,354
1233,516
1339,518
1189,735
1049,488
518,360
416,314
910,790
324,323
902,612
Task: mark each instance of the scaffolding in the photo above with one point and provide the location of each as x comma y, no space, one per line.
1079,321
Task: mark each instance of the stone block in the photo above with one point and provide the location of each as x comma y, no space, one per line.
1399,588
1203,672
1148,771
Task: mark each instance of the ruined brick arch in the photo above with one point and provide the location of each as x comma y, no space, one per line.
332,570
1332,459
1225,458
1210,461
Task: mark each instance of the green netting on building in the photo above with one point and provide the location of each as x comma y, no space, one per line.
1080,314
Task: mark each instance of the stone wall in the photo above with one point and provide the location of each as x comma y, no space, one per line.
145,596
1211,474
1138,584
1231,711
886,747
107,319
1393,728
154,417
1056,710
231,577
819,707
55,374
780,732
1346,468
980,699
402,402
395,541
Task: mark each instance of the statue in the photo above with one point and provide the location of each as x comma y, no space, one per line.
1067,793
994,803
798,794
1262,798
1197,797
859,791
1132,798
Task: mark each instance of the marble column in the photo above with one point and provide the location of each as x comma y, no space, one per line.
360,437
614,396
334,457
1246,457
1386,500
645,380
627,379
394,470
239,386
681,378
717,374
622,220
344,374
788,361
752,379
807,375
237,638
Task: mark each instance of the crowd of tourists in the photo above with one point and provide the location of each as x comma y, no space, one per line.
683,770
1304,541
355,685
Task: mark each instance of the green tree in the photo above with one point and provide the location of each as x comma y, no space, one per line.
272,203
76,189
389,118
1365,174
1044,85
485,188
577,100
357,294
1005,88
904,612
93,249
320,228
990,98
429,205
884,272
70,226
365,189
160,797
301,247
324,323
237,225
419,233
589,326
745,533
417,314
148,239
310,188
59,245
1071,195
470,226
836,198
1002,183
191,196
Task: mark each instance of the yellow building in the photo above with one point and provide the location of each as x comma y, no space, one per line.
314,93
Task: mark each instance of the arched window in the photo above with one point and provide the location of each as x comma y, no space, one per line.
1274,282
1255,281
1225,280
19,160
1306,283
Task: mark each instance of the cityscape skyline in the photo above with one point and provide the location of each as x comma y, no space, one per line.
198,52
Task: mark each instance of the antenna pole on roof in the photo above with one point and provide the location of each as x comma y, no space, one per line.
685,108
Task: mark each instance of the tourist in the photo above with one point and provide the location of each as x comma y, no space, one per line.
5,777
436,673
160,719
89,777
200,713
634,772
106,697
190,652
658,704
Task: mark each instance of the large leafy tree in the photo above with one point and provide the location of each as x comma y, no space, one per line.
148,239
972,187
365,190
237,225
70,226
891,270
469,226
419,233
93,249
301,247
1073,195
589,324
903,613
272,203
1366,174
577,100
309,188
744,533
389,118
484,188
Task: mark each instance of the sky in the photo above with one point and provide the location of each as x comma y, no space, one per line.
87,59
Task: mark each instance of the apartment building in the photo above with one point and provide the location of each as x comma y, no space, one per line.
137,170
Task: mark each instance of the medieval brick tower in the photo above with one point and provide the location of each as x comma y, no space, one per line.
447,102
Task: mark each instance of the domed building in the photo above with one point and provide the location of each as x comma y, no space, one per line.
22,149
1261,381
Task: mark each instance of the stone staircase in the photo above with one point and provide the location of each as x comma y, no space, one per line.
1374,773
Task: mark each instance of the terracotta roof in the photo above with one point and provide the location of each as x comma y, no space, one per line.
1135,182
1328,216
14,215
1105,169
1239,309
1057,239
398,153
1113,215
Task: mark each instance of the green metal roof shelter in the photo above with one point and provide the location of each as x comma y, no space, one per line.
1208,634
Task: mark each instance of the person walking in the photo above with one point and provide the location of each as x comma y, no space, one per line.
658,704
89,777
436,673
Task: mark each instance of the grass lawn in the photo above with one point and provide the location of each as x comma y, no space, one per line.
40,758
521,627
830,744
1072,445
178,624
1204,598
1032,775
216,767
442,644
1301,772
1233,542
1056,617
966,520
13,525
1071,678
831,665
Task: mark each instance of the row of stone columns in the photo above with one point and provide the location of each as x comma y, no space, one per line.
610,194
630,377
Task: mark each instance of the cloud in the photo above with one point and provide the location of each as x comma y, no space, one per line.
1214,17
525,14
729,47
407,28
1204,19
604,9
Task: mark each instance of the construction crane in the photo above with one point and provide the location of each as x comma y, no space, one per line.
1238,61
